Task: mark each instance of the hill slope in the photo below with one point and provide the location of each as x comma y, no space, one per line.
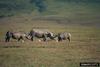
83,12
49,7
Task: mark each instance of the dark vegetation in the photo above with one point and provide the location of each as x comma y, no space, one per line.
10,7
13,7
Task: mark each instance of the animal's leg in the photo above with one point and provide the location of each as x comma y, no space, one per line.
56,39
32,38
7,39
22,41
44,37
32,35
68,38
39,40
19,38
59,39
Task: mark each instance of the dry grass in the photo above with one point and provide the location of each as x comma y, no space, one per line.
84,46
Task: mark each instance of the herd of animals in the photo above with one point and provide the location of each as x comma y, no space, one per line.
44,34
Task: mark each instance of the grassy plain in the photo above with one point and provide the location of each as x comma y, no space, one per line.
84,45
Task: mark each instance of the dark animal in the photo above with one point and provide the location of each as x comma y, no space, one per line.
64,36
41,33
15,35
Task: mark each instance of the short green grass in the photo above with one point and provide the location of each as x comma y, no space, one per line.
84,45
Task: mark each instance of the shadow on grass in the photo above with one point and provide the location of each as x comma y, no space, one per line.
9,46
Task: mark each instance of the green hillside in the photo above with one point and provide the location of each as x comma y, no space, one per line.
48,7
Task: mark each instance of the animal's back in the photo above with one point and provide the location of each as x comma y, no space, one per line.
18,34
65,35
41,31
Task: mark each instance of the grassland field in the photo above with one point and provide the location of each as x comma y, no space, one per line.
84,45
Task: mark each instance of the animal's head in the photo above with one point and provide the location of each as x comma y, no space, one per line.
51,35
28,36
